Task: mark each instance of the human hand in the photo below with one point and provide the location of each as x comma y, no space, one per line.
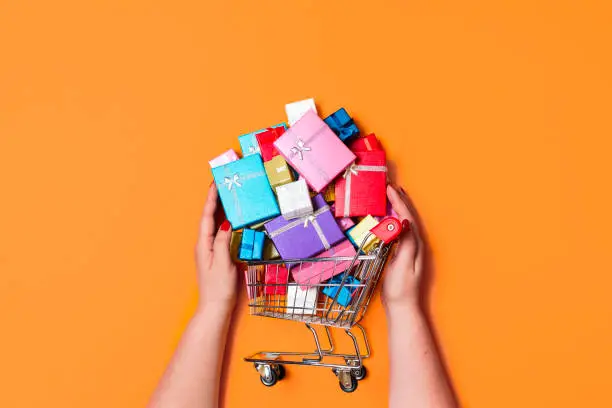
217,273
404,272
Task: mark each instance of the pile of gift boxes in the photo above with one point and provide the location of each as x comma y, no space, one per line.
311,189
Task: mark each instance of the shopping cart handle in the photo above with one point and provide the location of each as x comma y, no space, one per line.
387,230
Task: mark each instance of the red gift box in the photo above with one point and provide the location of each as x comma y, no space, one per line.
276,274
266,139
366,144
362,189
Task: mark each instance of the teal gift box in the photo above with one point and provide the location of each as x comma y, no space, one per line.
252,244
248,141
347,291
245,192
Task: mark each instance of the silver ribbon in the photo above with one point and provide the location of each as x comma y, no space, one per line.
305,220
354,169
237,180
299,148
232,181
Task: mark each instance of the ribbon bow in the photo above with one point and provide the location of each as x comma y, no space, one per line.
310,219
299,148
351,169
231,181
252,149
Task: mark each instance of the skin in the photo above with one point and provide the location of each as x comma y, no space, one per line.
417,375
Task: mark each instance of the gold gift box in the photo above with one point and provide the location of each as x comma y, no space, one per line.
358,233
235,245
278,172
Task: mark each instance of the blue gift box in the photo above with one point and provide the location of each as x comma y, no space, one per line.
346,293
251,246
245,192
342,124
248,141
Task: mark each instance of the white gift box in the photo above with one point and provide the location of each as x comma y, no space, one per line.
296,110
224,158
301,301
294,199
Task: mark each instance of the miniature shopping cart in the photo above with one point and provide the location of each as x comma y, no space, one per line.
339,302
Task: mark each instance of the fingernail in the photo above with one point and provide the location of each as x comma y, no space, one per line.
225,226
406,225
402,190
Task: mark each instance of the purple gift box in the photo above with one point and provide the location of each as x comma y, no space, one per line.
307,236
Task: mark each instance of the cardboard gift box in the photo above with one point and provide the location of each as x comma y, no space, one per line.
248,141
295,110
224,158
312,149
362,190
342,125
294,199
266,140
278,172
346,292
276,278
307,236
358,234
270,251
235,241
313,273
344,223
330,193
245,192
251,245
365,144
301,302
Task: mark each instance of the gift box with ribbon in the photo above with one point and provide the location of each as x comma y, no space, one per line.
245,192
359,232
224,158
342,125
278,172
313,273
344,223
362,190
365,144
294,199
300,302
295,110
266,140
251,245
306,236
276,279
248,141
346,291
312,149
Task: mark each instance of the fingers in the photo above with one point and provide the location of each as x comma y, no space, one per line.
221,246
410,248
207,224
399,205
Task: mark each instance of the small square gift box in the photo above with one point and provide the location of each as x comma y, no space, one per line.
346,291
270,251
342,125
265,141
307,236
251,245
359,232
365,144
276,279
295,110
344,223
362,190
294,199
278,172
314,273
224,158
300,301
248,141
245,192
312,149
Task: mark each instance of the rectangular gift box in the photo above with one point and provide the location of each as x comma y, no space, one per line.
251,245
296,110
248,141
278,172
301,301
362,190
342,125
276,279
270,251
358,234
235,241
294,199
343,222
346,292
312,149
307,236
365,144
224,158
245,192
390,213
330,193
313,273
265,141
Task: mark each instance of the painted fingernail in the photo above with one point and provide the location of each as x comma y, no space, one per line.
225,226
406,225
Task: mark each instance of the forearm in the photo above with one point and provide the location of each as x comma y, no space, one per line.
417,377
192,377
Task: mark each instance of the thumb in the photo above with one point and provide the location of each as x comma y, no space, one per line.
406,251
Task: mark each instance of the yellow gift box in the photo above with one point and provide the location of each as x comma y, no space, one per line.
235,245
270,251
358,233
278,172
330,193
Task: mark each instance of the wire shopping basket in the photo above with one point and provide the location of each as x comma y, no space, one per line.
335,294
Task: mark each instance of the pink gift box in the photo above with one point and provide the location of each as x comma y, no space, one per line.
314,151
345,222
224,158
313,273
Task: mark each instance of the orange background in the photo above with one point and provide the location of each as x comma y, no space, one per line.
496,114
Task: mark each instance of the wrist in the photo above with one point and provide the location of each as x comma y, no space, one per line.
403,308
221,310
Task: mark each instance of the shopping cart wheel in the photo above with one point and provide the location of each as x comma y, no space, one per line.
281,372
359,373
270,374
347,382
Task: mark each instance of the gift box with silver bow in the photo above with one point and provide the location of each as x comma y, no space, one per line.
278,172
248,141
312,149
307,236
342,125
294,199
245,192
